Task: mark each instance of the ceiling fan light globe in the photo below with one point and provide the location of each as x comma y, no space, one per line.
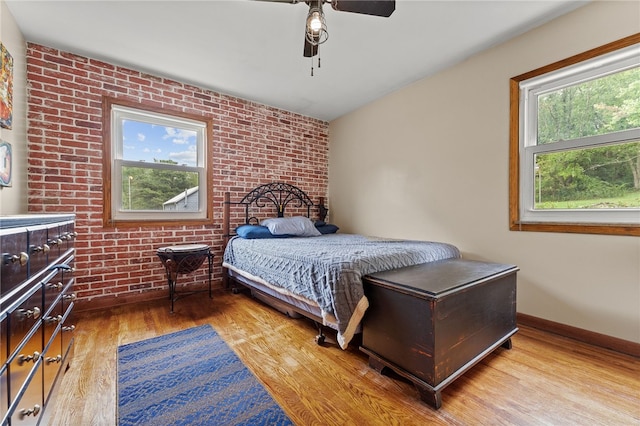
314,23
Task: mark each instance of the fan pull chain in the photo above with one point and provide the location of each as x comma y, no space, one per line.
318,61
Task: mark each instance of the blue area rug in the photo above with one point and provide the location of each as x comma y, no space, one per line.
190,378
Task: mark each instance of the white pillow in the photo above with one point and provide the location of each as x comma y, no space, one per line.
299,226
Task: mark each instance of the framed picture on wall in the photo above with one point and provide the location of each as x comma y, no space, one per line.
5,163
6,88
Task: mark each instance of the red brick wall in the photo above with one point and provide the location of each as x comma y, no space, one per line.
253,144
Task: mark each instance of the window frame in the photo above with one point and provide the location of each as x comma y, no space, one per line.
113,163
521,157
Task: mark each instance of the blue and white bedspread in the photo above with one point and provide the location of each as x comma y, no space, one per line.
328,269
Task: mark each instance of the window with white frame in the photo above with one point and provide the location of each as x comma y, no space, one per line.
577,159
157,165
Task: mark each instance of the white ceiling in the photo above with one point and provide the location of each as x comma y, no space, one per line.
253,49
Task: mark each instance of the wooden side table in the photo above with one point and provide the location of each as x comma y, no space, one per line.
184,259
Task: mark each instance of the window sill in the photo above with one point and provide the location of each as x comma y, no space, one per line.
577,228
156,223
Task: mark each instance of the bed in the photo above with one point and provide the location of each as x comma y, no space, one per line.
304,266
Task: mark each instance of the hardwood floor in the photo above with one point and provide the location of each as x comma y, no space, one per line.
544,379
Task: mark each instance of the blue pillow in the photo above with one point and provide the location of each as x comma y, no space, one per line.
327,228
256,231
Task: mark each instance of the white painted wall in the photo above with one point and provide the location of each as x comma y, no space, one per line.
431,162
13,200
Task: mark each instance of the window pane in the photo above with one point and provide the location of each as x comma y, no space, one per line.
591,178
595,107
150,142
159,190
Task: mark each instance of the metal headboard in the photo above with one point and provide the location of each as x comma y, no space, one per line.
278,194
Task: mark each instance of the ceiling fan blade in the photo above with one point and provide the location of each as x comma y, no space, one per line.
374,7
282,1
310,50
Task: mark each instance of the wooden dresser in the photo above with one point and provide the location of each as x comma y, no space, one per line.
36,307
432,322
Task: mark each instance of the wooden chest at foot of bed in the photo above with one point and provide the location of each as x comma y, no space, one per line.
432,322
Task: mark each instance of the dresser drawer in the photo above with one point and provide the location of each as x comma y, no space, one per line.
4,370
61,238
52,360
58,331
59,277
14,268
25,319
67,328
59,340
26,409
4,390
38,250
59,296
4,340
23,363
51,323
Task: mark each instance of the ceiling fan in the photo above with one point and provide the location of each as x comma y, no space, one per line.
316,28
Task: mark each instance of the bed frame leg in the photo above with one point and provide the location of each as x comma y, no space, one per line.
319,339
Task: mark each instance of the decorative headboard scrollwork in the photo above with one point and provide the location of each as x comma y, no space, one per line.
279,194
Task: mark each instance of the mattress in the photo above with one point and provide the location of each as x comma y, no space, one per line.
327,270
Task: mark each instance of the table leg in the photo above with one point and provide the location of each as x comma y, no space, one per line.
210,258
172,291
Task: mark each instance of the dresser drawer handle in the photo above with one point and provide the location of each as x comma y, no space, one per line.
30,313
23,258
43,248
69,328
55,242
69,236
51,359
26,358
51,320
24,412
55,286
71,296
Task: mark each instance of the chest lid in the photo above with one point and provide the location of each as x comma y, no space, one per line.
438,278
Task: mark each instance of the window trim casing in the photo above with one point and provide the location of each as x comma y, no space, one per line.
108,161
516,222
